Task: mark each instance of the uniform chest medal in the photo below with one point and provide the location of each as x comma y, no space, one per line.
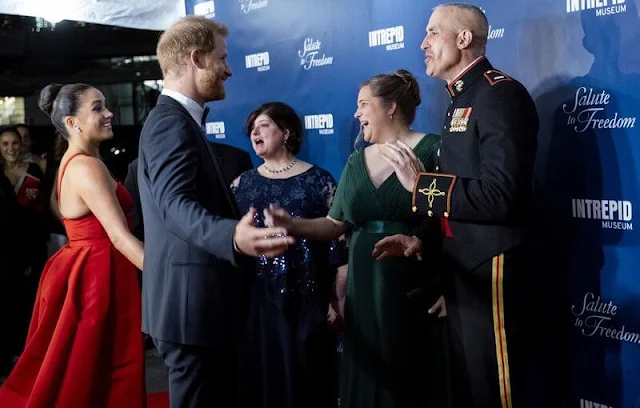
459,120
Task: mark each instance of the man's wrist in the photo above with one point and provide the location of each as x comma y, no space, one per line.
235,247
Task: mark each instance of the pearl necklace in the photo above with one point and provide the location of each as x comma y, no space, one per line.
282,170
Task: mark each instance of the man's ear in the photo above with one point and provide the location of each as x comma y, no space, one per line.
464,40
196,59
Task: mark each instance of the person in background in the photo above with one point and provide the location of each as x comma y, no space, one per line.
27,155
394,346
14,256
288,359
234,161
84,347
25,178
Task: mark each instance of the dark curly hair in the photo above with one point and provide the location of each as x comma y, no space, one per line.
284,117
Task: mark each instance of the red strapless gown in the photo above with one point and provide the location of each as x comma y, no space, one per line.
85,348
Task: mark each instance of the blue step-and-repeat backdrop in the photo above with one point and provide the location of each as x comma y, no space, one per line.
580,59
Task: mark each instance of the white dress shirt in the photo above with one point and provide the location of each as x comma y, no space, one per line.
194,109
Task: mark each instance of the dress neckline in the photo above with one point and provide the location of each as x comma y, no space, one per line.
313,166
393,174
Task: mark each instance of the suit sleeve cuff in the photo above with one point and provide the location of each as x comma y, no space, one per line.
432,194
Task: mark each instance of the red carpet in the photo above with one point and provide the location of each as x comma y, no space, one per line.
158,400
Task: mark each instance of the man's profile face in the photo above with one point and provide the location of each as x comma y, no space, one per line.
441,53
210,79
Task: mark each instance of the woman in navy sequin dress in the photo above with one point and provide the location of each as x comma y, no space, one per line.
288,359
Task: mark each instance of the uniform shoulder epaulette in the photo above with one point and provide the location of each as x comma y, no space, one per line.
494,76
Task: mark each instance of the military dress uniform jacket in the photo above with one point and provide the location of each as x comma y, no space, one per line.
483,185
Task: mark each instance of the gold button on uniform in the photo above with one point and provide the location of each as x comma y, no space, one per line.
446,214
430,213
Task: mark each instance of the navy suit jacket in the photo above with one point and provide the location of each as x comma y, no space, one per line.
191,290
233,161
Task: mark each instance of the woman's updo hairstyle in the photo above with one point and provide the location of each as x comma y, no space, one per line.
59,101
400,87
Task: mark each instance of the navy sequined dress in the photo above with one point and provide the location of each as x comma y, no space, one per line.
288,357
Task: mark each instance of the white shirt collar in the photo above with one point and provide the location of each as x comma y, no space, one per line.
194,109
464,69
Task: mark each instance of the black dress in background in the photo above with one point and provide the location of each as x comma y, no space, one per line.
13,262
288,358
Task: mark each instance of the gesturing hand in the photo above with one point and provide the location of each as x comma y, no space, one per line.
253,241
404,161
275,216
398,245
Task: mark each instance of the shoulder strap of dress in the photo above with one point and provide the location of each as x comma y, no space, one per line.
61,175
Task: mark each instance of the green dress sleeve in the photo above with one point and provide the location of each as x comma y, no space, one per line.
337,211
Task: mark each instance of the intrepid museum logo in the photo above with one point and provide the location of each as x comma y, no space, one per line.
614,214
392,38
323,122
601,7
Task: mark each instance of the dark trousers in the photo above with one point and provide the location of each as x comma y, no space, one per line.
488,311
199,377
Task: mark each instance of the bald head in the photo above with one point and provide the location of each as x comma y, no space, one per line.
464,16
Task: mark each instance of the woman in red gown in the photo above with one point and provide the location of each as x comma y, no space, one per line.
85,346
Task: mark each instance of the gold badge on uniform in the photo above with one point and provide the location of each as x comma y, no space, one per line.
459,119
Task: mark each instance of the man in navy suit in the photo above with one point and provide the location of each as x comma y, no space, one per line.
233,161
192,292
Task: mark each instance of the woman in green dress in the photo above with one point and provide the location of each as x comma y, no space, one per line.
394,350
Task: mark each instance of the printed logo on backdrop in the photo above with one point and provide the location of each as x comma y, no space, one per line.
613,214
587,111
251,5
590,404
259,61
207,9
595,317
309,54
322,122
392,38
216,129
600,7
493,32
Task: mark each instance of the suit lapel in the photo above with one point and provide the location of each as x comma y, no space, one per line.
218,169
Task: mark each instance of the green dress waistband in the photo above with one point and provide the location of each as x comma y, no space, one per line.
383,227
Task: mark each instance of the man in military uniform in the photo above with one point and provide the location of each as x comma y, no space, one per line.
482,190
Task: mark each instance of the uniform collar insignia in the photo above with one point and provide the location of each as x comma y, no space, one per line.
466,78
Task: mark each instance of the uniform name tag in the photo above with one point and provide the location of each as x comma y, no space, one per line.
459,120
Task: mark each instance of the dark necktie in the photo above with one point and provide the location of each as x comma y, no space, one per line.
203,122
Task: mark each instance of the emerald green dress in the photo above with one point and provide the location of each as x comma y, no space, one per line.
393,356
